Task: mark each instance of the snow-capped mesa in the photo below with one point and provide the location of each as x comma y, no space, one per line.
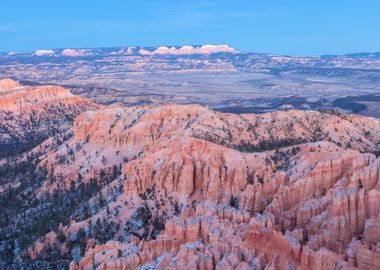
144,52
205,49
44,52
72,52
165,50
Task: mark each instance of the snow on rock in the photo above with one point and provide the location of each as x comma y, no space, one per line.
144,52
44,52
72,52
205,49
216,49
129,50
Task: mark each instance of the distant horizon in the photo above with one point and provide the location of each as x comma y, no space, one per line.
182,45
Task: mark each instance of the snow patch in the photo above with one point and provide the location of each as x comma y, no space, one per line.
205,49
44,52
72,52
144,52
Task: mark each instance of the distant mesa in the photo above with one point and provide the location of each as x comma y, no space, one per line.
162,50
44,53
144,52
64,52
184,50
72,52
205,49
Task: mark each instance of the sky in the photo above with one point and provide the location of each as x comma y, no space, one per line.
291,27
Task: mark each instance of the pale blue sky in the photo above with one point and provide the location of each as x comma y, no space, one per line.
297,27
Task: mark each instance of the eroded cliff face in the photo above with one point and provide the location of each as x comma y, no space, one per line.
113,136
33,113
6,84
184,187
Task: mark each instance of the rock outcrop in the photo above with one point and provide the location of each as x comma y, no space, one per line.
30,114
205,49
6,84
190,188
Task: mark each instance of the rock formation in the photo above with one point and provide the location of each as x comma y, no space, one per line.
185,187
6,84
205,49
33,113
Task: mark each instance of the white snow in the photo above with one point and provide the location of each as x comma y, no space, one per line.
165,50
205,49
43,52
144,52
72,52
130,50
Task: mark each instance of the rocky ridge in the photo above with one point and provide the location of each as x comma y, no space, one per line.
8,84
33,113
188,187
